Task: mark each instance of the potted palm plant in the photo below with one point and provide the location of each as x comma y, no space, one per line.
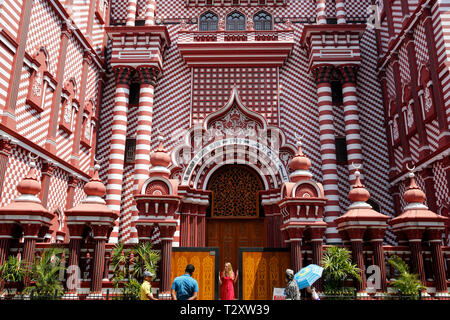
337,267
45,274
129,266
12,272
407,285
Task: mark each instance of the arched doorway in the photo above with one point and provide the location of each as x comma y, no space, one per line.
235,218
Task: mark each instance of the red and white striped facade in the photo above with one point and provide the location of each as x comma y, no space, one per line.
67,68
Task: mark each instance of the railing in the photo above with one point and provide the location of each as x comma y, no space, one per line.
236,36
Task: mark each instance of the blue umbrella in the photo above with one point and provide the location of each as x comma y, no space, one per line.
308,275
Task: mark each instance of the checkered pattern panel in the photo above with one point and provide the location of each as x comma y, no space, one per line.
432,130
441,183
57,195
30,123
44,30
85,159
6,62
74,62
118,11
141,7
126,206
330,8
404,64
257,88
79,193
420,184
80,14
414,148
98,36
420,43
390,80
18,167
356,8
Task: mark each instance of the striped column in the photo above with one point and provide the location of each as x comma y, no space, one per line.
192,231
357,253
378,252
71,186
296,255
150,13
99,265
131,13
147,77
277,235
321,16
118,138
340,11
166,237
351,119
4,250
328,151
184,226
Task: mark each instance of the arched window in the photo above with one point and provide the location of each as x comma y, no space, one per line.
235,21
208,21
262,21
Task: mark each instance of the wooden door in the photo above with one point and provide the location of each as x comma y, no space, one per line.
206,269
262,270
231,234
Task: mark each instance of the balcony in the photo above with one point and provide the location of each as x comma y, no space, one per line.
268,48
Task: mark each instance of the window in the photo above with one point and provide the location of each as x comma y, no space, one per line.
235,21
134,93
331,20
139,22
209,21
130,150
38,84
262,21
341,150
69,107
336,92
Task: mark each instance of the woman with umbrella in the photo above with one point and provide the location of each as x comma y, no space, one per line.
307,276
291,290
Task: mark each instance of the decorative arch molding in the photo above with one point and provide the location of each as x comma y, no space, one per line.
318,192
154,180
232,127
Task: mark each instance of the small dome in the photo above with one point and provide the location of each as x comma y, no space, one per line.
300,161
95,187
30,185
413,194
358,193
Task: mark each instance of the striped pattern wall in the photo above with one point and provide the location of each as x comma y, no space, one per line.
404,64
30,123
420,44
98,36
44,30
441,183
10,14
441,26
373,136
384,36
6,60
172,100
57,195
397,16
79,193
80,14
412,5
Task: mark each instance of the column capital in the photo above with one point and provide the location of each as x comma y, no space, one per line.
101,231
73,181
122,74
434,234
414,234
167,231
48,167
348,73
148,74
322,73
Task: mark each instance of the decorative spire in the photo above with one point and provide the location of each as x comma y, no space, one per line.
300,164
30,186
160,159
95,189
358,193
413,195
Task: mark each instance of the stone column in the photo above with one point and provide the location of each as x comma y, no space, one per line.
31,232
357,253
201,226
296,255
378,252
76,235
6,232
184,225
328,151
47,173
118,139
317,252
50,143
415,239
167,231
351,118
71,186
430,191
100,238
435,236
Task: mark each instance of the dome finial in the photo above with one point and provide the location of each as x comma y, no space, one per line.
358,193
95,189
413,194
30,185
300,164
